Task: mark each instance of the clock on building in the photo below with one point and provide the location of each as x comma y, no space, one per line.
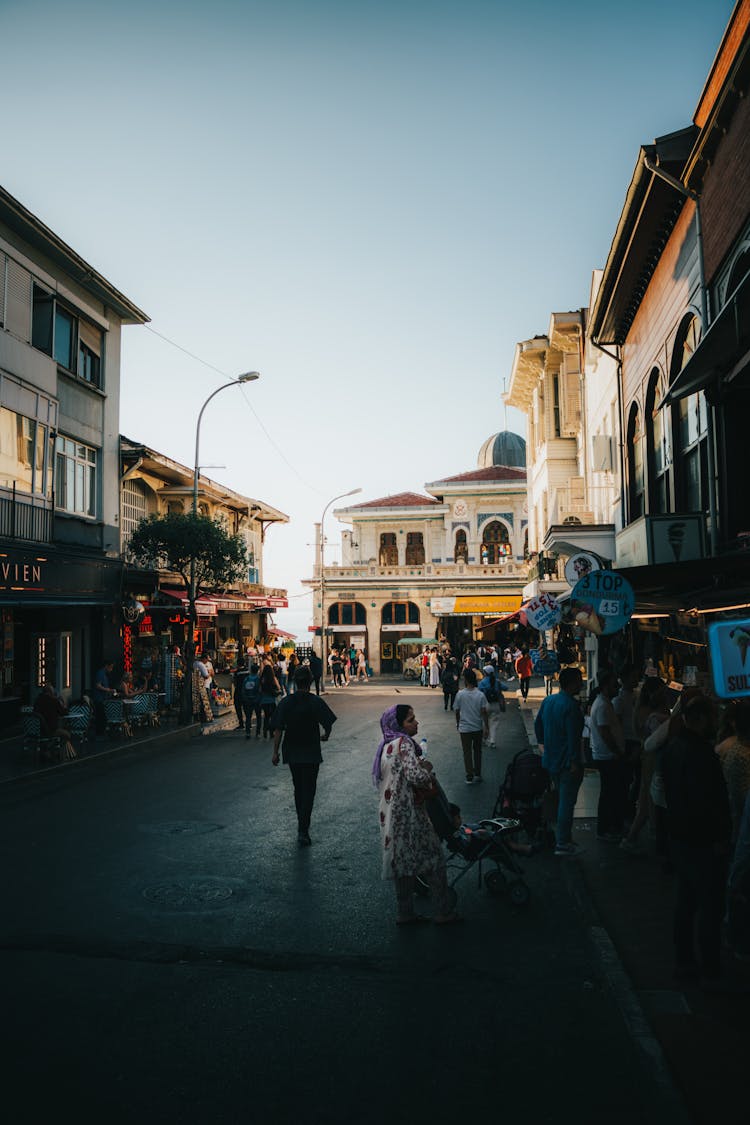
460,509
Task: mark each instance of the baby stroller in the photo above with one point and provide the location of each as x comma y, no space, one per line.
475,844
525,796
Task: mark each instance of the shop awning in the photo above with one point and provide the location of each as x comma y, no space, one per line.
274,632
204,607
417,641
463,605
724,352
702,585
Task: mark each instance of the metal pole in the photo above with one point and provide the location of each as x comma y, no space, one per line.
323,657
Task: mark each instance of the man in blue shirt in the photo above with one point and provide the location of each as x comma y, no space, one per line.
558,727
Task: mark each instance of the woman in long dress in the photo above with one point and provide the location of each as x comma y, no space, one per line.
410,845
435,669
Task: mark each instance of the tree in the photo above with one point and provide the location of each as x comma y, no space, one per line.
200,550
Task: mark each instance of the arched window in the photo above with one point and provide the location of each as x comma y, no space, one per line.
414,548
461,549
689,428
400,613
388,555
495,543
658,447
635,463
740,269
347,613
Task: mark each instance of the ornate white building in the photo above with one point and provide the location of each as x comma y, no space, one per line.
416,567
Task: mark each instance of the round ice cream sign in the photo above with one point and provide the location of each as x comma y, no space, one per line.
728,644
602,602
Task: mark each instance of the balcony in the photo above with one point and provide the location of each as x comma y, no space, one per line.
427,572
25,520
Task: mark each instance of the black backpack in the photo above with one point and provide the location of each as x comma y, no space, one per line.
493,695
251,688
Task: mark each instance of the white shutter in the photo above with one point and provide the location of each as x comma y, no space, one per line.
18,301
570,395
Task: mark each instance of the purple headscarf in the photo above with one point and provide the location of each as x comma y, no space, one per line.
391,730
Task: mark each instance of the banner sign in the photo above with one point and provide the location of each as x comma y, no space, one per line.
728,643
543,612
602,602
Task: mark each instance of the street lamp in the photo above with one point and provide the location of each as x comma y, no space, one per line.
353,492
246,377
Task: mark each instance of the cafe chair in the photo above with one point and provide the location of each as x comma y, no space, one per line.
152,708
117,723
34,742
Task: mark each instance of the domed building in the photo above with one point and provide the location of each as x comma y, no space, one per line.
445,563
505,448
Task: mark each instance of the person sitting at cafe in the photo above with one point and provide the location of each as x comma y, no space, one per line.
126,688
50,708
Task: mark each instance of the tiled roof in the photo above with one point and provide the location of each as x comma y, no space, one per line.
494,472
400,500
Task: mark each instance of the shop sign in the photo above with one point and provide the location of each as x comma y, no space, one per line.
579,565
602,602
728,645
543,612
389,629
492,604
20,574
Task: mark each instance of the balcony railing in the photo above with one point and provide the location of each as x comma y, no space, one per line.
25,520
427,571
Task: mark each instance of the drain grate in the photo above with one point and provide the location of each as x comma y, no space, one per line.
180,828
189,894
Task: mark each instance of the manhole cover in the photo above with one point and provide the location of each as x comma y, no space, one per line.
189,894
180,828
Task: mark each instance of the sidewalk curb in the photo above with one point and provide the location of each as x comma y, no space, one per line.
618,982
65,769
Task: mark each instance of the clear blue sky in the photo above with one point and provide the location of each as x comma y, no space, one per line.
369,203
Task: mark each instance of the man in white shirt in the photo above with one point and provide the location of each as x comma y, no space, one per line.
610,758
472,721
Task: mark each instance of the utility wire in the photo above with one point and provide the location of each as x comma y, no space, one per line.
257,417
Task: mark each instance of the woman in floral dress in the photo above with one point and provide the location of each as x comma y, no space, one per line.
410,846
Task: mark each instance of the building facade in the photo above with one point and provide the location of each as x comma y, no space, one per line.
229,621
60,569
418,567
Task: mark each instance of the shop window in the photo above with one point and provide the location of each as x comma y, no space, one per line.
461,549
24,457
75,477
347,613
73,342
496,546
635,463
658,446
690,428
388,554
134,507
400,613
414,548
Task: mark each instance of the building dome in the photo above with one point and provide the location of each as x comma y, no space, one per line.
505,448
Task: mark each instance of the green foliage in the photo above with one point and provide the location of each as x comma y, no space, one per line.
177,539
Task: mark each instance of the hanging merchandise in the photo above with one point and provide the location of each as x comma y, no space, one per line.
602,602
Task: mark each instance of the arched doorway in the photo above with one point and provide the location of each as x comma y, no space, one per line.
461,548
397,620
347,622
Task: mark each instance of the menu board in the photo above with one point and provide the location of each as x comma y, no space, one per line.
728,643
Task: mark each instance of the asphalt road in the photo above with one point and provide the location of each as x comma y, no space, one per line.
168,954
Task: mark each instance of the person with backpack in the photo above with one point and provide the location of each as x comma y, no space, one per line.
238,680
490,686
449,681
251,699
299,718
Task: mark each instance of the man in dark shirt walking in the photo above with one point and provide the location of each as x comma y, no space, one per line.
699,826
300,717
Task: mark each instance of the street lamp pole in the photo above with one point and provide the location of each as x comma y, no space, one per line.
246,377
323,658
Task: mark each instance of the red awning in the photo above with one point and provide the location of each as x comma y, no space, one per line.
204,607
281,633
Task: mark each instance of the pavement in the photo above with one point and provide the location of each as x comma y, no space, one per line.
695,1041
701,1035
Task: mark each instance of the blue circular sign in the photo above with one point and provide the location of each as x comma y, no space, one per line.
602,602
